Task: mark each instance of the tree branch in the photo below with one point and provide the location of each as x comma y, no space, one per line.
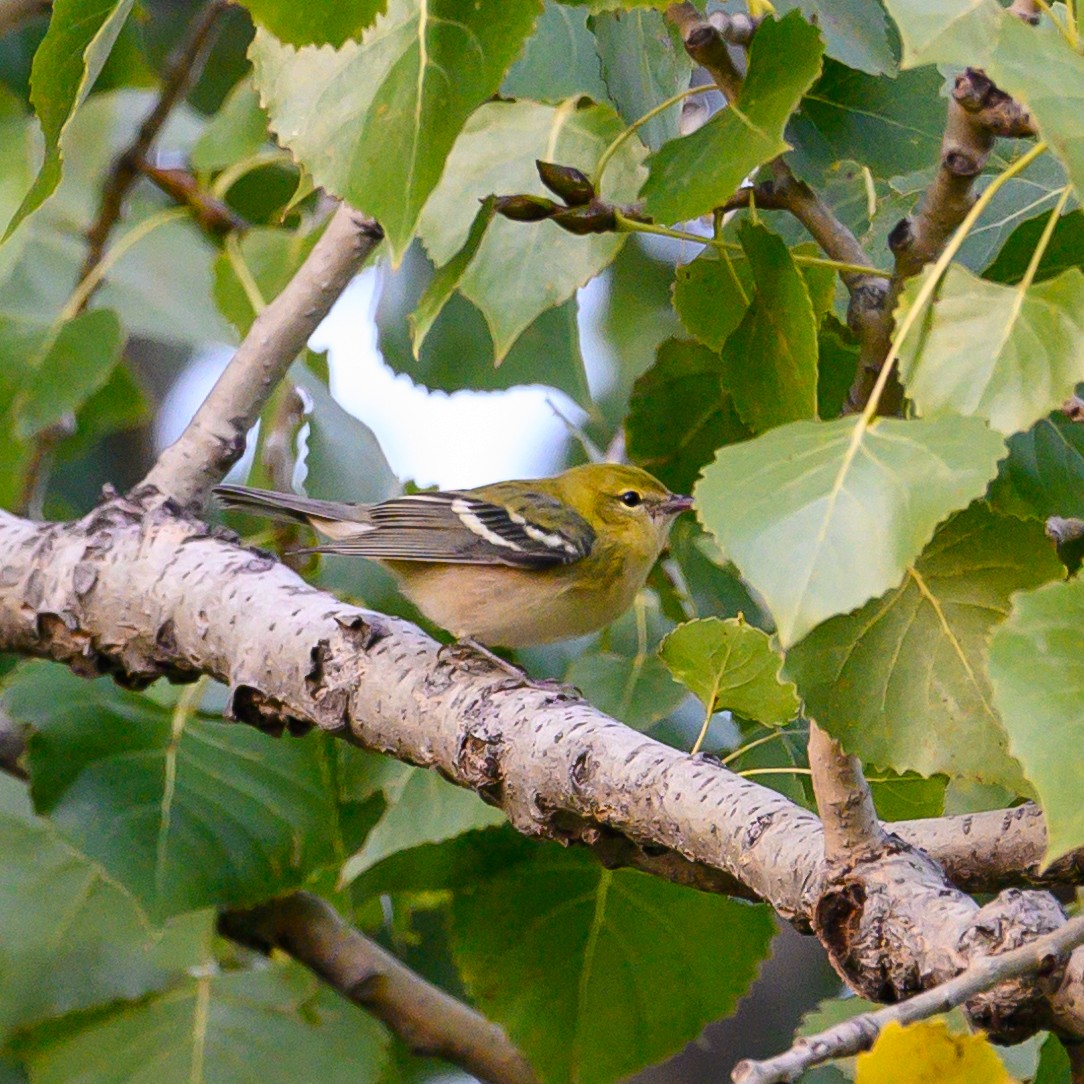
1045,956
844,800
215,438
431,1022
125,171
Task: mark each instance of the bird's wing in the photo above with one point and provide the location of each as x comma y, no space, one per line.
461,528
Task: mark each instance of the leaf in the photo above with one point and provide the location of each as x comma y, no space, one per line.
75,48
822,516
238,130
1008,354
692,175
344,460
1065,250
522,269
643,64
571,958
908,796
771,358
70,937
558,60
680,412
711,295
891,126
730,666
374,122
1054,1065
902,681
855,31
446,279
929,1051
837,362
1033,64
422,808
78,362
1044,472
315,24
1037,668
230,1027
636,689
142,789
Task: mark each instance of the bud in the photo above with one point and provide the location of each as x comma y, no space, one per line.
596,217
568,183
525,208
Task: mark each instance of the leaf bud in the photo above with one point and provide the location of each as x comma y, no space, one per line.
567,182
596,217
524,208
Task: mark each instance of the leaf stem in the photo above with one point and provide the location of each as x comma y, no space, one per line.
632,226
751,745
929,286
615,146
1044,241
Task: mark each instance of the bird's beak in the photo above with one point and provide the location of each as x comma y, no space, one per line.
674,504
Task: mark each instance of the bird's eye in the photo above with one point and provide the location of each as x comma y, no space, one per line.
630,498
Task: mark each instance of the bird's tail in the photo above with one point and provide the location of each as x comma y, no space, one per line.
288,506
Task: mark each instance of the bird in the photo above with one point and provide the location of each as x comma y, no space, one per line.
512,564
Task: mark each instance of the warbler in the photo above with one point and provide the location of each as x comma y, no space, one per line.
513,564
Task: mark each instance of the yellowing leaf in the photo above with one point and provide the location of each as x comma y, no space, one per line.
928,1053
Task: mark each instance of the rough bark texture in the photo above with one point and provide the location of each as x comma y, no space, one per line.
141,592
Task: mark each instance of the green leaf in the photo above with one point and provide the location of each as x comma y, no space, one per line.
908,796
558,61
230,1027
344,460
315,24
891,126
822,516
1037,668
636,689
422,808
837,362
1033,64
69,59
70,937
375,121
730,666
78,362
680,413
692,175
237,131
1065,250
1044,472
771,358
521,269
1054,1065
902,681
643,64
711,295
17,164
855,31
141,788
1008,354
571,959
446,279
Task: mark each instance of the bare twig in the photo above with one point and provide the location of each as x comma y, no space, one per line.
182,71
215,438
844,800
978,112
431,1022
213,215
1045,956
707,47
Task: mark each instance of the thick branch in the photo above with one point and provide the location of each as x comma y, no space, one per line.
182,72
215,438
1045,956
429,1021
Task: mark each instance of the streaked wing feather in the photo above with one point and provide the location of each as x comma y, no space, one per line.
461,529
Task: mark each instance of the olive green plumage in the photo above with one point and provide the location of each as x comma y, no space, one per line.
514,563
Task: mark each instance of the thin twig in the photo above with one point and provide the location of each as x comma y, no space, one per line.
431,1022
844,801
1039,957
182,72
215,438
